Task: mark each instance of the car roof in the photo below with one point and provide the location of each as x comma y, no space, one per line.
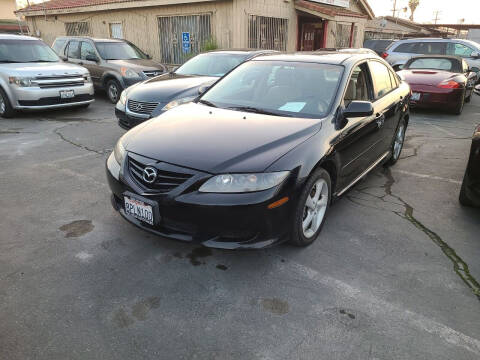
90,38
17,37
323,57
451,57
242,51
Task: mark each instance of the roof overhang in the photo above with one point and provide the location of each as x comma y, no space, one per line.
329,12
101,5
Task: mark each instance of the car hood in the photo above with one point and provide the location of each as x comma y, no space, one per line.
166,87
137,64
43,69
426,77
218,140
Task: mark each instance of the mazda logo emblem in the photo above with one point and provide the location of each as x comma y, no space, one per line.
149,175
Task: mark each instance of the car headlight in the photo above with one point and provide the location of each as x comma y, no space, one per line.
123,97
20,81
87,78
240,183
128,73
178,102
119,152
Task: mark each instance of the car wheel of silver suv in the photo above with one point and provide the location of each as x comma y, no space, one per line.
6,110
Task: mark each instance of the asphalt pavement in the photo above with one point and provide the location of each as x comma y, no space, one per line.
394,275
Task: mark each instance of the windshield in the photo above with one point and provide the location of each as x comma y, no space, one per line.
432,64
24,51
280,88
213,64
119,51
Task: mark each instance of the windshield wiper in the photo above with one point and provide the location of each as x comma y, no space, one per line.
208,103
256,110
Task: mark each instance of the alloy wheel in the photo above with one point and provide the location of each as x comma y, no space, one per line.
113,93
3,106
315,208
399,140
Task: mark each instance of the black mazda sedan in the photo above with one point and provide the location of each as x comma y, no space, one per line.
470,191
153,97
258,158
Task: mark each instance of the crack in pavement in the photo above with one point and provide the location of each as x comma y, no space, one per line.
80,146
459,265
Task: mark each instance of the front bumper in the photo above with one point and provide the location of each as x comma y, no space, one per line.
228,221
35,98
128,121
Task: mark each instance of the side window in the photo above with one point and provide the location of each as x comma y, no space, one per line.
86,49
382,82
358,85
405,48
74,49
429,48
461,50
58,45
394,79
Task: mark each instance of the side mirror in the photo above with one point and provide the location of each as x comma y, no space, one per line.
475,55
202,89
358,109
91,57
63,58
474,69
148,56
476,90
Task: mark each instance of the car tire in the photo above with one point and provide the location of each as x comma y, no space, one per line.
397,144
113,89
459,109
464,200
311,209
6,109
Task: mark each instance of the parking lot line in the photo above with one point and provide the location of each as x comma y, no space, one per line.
426,176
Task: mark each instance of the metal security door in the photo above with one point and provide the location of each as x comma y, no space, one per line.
172,30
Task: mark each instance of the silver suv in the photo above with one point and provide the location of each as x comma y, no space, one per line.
33,77
401,51
113,63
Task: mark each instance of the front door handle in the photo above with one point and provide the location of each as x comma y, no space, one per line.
380,120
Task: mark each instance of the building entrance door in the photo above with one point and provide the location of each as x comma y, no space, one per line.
312,36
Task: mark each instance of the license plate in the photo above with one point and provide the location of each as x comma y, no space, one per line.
67,94
139,210
416,96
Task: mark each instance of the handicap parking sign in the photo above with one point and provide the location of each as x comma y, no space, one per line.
186,42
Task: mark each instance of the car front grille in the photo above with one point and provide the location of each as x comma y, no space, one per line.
167,179
47,82
55,100
141,107
152,73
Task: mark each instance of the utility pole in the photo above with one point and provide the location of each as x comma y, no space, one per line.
394,10
437,16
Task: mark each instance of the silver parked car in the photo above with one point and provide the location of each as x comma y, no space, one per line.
401,51
114,64
33,77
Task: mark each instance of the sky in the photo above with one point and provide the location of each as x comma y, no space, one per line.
451,11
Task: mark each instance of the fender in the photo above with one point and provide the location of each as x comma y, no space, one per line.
114,74
6,87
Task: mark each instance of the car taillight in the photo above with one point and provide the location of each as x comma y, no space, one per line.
384,55
449,84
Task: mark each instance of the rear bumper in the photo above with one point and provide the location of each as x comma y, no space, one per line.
438,98
228,221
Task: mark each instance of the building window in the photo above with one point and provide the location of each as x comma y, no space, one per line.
267,33
116,30
342,38
182,37
77,28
